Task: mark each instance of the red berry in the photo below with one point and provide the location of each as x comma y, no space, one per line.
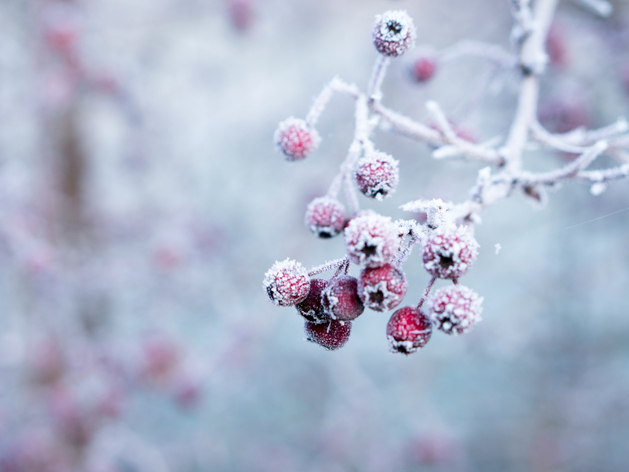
394,33
287,283
382,288
424,69
449,252
296,139
325,217
377,175
340,299
408,330
371,240
556,46
332,335
455,309
241,14
311,308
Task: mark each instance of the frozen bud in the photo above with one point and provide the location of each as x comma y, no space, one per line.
325,217
394,33
424,68
311,308
340,299
455,309
449,252
332,335
371,240
295,139
408,330
382,288
377,175
287,283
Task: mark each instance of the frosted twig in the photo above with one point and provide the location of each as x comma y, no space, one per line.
335,85
426,292
606,175
330,265
600,7
377,76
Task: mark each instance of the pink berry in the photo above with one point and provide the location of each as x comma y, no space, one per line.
287,283
424,69
449,252
455,309
332,335
296,139
377,175
556,46
408,330
325,217
394,33
382,288
371,240
340,299
311,308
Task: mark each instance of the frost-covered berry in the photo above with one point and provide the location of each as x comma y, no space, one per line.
449,252
424,69
394,33
340,299
455,309
371,240
311,308
408,330
332,335
287,283
325,217
382,288
296,139
377,175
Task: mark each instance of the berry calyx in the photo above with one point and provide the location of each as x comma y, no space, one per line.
340,299
394,33
371,240
325,217
449,252
408,330
332,335
455,309
311,308
287,283
377,175
295,139
382,288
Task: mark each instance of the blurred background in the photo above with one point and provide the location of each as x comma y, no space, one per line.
141,202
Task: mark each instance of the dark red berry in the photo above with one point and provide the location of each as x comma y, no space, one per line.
408,330
340,299
295,139
449,252
325,217
287,283
393,33
311,308
382,288
332,335
377,175
424,69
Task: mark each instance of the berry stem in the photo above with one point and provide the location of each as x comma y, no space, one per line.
426,292
377,76
335,264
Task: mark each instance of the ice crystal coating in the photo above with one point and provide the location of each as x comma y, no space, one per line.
287,283
408,330
455,309
340,299
382,288
325,217
449,252
377,175
311,308
394,33
332,335
371,240
424,69
295,139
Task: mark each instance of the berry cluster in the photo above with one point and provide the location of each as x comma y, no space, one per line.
375,243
